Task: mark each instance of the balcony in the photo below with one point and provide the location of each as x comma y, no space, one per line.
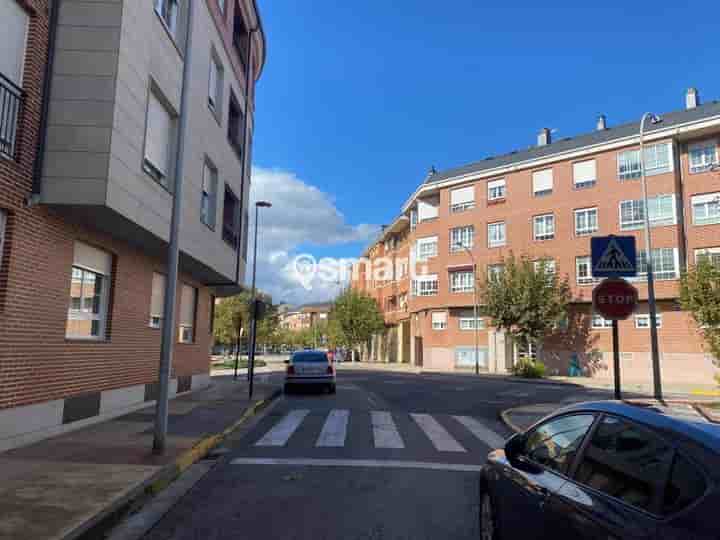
11,97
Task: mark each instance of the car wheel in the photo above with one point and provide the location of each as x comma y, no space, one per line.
488,524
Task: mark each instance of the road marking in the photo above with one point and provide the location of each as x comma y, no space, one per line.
281,432
335,429
367,463
385,431
441,439
486,435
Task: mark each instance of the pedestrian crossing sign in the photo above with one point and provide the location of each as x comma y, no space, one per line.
613,256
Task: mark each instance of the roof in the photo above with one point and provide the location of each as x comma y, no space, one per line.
610,134
704,433
319,306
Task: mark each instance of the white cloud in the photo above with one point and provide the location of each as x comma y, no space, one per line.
300,214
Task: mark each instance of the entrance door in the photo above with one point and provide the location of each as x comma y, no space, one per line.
418,351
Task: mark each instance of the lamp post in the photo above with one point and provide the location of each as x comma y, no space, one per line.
475,306
657,384
253,326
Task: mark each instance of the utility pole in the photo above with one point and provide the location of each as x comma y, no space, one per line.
254,309
173,255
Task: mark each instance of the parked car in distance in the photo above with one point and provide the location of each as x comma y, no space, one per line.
310,368
604,470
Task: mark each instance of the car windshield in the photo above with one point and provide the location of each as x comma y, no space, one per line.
310,357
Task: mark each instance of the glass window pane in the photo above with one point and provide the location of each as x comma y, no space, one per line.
685,486
554,443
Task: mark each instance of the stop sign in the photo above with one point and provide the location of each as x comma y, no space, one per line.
615,299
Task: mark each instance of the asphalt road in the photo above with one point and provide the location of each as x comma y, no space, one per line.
390,456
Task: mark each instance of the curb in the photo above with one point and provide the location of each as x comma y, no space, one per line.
505,415
164,477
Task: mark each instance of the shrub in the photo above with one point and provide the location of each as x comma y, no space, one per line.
529,369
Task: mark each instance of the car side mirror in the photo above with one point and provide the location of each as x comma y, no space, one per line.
514,448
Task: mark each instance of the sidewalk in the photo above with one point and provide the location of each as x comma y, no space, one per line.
379,366
60,487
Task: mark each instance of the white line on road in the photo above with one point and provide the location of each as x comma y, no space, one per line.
335,429
281,432
486,435
385,431
441,439
368,463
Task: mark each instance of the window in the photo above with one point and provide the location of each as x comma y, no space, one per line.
625,462
658,159
542,182
413,219
555,443
710,254
462,282
240,38
465,357
494,271
188,304
583,271
685,485
584,174
466,321
586,221
230,232
462,237
3,228
13,38
706,209
496,234
236,124
703,156
598,321
428,209
221,5
642,320
439,320
158,133
167,10
89,287
544,227
208,201
215,84
157,300
661,208
665,263
427,248
549,265
496,189
426,285
462,199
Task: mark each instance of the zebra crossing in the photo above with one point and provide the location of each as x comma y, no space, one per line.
386,433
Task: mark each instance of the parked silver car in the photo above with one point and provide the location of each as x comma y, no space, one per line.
310,368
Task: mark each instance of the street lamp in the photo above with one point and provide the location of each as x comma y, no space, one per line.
657,385
253,326
475,306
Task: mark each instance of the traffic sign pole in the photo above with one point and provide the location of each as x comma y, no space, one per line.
616,358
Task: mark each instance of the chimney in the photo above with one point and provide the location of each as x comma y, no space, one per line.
692,98
544,137
601,123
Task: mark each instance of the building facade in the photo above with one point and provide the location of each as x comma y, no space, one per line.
546,202
304,316
88,176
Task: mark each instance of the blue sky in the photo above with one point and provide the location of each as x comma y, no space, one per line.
358,99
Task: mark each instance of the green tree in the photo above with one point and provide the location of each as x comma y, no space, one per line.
234,313
700,295
355,317
525,301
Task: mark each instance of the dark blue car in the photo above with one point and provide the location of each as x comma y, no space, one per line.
603,471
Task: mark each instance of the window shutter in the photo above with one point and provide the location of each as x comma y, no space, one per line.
584,171
704,199
496,183
462,195
426,210
92,258
159,126
439,317
542,180
13,36
157,301
187,306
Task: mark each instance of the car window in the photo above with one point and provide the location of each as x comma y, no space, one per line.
685,485
626,462
555,443
310,357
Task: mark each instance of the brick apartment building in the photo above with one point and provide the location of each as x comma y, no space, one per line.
90,114
546,202
304,316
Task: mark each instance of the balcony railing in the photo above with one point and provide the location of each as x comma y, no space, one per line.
10,104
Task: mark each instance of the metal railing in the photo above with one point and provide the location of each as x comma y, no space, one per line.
10,103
